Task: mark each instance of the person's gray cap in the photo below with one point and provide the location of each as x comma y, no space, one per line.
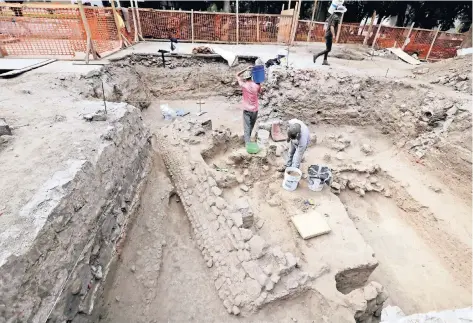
293,131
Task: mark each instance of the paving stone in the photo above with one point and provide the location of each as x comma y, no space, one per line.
370,292
252,287
211,181
279,255
310,224
237,219
235,310
254,271
248,220
220,203
216,191
246,234
216,210
258,246
236,233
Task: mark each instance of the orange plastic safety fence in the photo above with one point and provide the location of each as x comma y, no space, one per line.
446,45
41,31
103,29
161,24
391,37
273,29
420,41
59,31
215,27
352,33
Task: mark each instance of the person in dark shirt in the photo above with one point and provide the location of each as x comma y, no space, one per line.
330,33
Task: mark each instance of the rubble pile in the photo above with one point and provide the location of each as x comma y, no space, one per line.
359,178
454,73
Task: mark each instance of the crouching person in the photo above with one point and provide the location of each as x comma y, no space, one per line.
299,137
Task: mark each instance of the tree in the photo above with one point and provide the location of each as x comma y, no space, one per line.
226,5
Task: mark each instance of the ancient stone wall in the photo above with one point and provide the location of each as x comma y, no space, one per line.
85,211
248,272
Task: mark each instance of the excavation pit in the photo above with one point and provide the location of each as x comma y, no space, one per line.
188,220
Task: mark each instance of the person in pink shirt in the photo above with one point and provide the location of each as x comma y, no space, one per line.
250,104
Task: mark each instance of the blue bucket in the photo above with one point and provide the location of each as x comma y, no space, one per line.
258,74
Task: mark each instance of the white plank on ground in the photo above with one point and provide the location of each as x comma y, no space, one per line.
18,63
310,224
15,72
404,56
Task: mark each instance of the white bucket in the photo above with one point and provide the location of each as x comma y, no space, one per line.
315,184
290,181
334,5
263,137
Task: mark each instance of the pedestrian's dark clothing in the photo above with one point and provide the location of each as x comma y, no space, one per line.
333,20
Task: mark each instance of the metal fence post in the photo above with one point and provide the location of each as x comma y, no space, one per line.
408,35
433,41
192,25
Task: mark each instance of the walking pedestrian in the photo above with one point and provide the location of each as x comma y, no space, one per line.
330,33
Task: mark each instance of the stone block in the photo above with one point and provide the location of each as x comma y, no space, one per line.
254,271
248,220
220,203
216,210
237,219
258,247
246,234
216,191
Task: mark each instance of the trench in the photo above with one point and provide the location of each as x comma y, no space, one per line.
161,275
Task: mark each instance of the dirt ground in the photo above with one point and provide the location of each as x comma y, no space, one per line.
417,225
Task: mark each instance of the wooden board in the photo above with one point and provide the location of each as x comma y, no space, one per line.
16,72
404,56
285,23
310,224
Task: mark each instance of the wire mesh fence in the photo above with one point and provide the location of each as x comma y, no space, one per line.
162,24
58,30
40,31
55,31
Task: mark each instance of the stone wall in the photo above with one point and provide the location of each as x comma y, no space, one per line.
79,216
247,271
